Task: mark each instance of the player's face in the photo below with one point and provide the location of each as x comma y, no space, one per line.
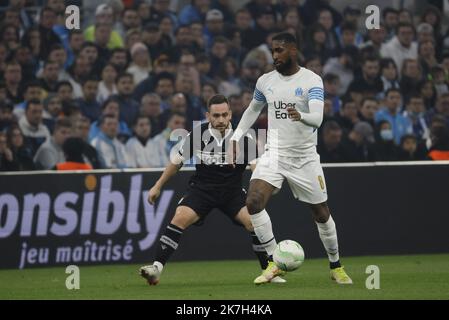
282,56
219,116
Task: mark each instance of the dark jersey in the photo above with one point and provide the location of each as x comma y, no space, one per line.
208,149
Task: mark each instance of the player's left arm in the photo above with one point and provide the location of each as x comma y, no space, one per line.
315,100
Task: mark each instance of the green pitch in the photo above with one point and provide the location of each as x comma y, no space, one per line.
401,277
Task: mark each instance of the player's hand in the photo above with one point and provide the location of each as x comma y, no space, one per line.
293,114
153,194
233,151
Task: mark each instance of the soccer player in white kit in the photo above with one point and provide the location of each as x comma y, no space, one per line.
294,96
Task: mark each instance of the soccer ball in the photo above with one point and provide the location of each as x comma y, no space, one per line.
288,255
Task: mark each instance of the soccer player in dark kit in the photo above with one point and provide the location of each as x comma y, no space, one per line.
215,184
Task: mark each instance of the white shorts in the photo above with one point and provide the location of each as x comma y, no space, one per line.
304,175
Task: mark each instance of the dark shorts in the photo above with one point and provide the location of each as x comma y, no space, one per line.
203,200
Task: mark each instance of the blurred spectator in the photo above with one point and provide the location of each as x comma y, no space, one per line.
214,26
6,115
375,38
399,124
438,77
140,66
408,149
347,116
47,20
388,75
415,112
164,143
385,148
81,130
89,106
359,143
311,8
427,91
368,109
343,66
150,107
110,150
330,146
73,152
129,108
110,107
13,78
7,162
64,91
33,129
52,110
331,83
402,46
196,11
160,9
130,20
390,17
22,156
107,86
427,59
264,24
164,87
50,152
411,77
142,152
369,84
119,59
314,64
154,40
31,91
49,79
325,20
440,144
104,14
316,43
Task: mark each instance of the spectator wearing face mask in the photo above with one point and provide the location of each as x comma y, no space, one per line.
385,149
400,125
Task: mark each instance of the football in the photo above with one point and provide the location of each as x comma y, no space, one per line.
288,255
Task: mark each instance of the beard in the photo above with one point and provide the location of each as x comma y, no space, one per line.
282,68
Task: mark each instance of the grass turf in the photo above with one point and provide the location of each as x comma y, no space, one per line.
401,277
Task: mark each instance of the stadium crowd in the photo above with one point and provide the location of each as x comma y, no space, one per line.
109,95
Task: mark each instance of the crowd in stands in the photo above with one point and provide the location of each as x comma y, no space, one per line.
110,94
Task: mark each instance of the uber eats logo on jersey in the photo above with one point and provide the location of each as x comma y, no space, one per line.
281,109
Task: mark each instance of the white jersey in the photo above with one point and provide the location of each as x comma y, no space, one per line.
289,138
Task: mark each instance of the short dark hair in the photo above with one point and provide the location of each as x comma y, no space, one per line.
217,99
365,99
392,90
406,137
104,117
32,84
109,100
331,125
32,101
388,10
405,25
330,77
414,95
286,37
124,75
63,123
140,116
62,84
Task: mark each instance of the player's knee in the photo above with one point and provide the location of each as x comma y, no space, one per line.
320,212
182,219
254,203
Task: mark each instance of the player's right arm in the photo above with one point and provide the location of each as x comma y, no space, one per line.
176,163
248,118
170,170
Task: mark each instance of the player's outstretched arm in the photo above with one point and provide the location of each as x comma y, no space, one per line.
248,118
169,172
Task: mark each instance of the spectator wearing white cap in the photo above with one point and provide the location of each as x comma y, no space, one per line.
104,14
214,26
141,62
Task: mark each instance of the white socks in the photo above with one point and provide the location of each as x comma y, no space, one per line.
262,228
328,235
